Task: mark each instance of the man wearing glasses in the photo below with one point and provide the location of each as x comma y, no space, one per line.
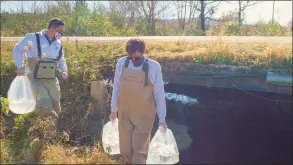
44,57
138,94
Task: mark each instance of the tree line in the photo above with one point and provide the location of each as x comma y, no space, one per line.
143,18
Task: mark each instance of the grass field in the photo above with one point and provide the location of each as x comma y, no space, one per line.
86,55
87,62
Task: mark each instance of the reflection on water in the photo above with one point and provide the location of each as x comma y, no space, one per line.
185,100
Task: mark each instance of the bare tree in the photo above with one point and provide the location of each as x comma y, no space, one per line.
127,9
79,5
207,9
99,8
181,13
242,6
273,12
151,10
186,11
23,16
47,8
1,2
290,25
81,2
192,10
120,6
117,13
65,6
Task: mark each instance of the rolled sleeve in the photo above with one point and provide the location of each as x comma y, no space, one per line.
18,51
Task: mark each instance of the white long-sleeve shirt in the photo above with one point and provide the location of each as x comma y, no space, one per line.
155,76
49,47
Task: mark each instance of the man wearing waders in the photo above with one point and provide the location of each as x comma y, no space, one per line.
138,93
44,57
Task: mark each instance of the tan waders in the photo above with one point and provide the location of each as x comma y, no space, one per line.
45,86
47,94
136,114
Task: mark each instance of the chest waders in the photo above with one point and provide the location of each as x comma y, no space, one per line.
45,84
136,111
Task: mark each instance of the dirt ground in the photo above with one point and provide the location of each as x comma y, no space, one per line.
233,127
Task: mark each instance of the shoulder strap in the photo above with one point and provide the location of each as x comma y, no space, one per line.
38,45
145,68
60,54
126,64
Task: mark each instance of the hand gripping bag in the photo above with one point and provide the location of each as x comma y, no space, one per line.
163,148
110,137
20,96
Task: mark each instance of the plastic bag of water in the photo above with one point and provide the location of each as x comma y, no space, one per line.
163,148
110,137
20,96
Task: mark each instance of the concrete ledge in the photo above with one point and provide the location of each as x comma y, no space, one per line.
253,82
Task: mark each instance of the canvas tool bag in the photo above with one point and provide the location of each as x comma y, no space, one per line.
45,68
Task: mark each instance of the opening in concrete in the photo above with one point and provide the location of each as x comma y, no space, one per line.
229,126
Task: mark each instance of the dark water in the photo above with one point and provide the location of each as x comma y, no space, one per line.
229,126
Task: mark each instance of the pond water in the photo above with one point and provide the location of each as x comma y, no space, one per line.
185,100
229,126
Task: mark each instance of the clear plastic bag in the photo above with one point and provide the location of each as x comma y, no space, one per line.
20,96
163,148
110,137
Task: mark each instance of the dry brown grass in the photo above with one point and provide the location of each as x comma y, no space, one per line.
276,55
181,50
53,154
182,55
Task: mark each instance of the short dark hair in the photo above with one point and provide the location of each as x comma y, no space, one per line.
134,45
55,22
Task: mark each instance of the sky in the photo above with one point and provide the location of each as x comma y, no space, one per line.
260,12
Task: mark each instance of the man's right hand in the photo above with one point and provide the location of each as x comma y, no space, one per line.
113,116
20,72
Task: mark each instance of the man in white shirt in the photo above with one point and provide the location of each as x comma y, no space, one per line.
44,56
138,93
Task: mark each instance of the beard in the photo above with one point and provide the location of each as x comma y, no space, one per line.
137,61
136,58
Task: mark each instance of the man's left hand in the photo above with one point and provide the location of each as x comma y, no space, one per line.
64,75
